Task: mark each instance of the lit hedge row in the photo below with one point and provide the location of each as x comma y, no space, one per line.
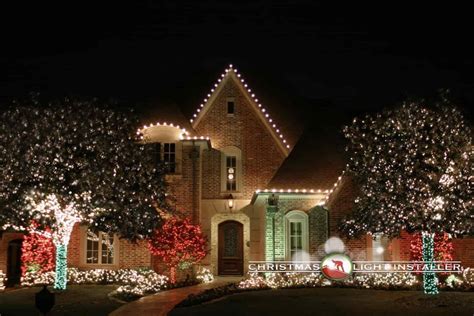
381,281
146,280
3,280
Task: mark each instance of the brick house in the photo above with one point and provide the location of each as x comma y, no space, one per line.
256,196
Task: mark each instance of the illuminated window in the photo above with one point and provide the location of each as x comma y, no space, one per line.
99,248
231,167
231,170
297,236
379,244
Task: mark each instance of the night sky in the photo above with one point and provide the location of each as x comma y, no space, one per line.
305,56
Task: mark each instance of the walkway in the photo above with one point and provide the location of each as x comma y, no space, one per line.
161,303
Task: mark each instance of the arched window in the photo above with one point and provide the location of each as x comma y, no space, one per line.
297,237
231,169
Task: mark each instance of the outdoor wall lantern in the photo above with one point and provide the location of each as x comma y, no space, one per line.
230,202
273,200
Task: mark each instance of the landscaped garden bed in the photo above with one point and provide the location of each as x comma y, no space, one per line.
378,281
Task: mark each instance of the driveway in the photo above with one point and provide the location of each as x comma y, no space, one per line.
335,301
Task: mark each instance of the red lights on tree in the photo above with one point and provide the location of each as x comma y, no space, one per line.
443,247
178,243
37,253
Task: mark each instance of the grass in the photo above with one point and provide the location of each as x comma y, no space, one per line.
90,300
335,301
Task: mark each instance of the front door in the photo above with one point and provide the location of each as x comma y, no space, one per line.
230,252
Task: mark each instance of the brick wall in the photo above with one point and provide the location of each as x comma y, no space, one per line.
211,169
260,154
74,247
134,255
341,204
180,187
318,232
464,251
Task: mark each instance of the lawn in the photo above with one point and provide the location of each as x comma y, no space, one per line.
87,300
335,301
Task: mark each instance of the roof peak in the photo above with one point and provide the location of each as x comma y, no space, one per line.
233,73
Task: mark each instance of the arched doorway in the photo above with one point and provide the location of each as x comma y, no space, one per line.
14,262
230,248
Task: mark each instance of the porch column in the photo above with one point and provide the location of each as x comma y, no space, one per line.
271,210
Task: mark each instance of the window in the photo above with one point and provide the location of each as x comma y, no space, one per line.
231,167
230,107
296,239
231,170
99,248
297,236
166,155
379,243
169,157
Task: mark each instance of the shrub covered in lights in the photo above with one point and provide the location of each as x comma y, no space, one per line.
72,162
378,281
178,243
3,280
414,169
148,280
37,253
204,275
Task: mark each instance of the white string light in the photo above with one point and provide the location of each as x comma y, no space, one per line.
251,95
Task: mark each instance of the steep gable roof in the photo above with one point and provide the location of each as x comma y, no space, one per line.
262,113
316,162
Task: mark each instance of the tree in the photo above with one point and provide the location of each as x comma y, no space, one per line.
77,162
178,243
37,252
414,168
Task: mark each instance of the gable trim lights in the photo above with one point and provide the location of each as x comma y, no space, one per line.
327,192
275,130
141,131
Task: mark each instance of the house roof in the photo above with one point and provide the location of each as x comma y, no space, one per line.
153,112
282,108
261,111
317,160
